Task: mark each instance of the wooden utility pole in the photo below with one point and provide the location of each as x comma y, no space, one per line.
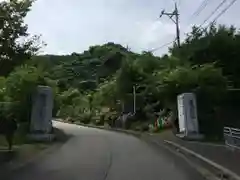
174,16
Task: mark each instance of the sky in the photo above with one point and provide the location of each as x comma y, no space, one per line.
68,26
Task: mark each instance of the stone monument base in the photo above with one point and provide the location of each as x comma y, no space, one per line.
42,137
191,136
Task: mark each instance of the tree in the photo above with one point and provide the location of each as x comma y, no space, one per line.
106,94
15,44
2,88
218,44
20,85
86,70
205,79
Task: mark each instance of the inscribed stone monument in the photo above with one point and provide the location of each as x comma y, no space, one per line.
187,115
41,117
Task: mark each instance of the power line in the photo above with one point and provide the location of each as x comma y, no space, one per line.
222,12
202,6
214,11
162,46
225,10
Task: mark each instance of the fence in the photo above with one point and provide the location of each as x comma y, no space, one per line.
232,137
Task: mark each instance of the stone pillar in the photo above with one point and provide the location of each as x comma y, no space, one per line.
187,115
41,117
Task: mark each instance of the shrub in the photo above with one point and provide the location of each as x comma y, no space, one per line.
20,85
5,110
111,117
2,89
74,105
144,127
65,111
100,121
85,117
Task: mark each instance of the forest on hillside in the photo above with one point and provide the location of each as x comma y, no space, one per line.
96,86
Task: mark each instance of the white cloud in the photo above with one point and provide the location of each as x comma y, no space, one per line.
74,25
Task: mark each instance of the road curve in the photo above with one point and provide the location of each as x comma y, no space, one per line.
93,154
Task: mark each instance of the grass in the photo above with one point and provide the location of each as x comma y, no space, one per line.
22,150
2,141
19,139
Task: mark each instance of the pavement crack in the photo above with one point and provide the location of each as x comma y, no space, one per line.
110,161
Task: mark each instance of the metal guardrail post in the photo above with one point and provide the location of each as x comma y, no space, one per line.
232,137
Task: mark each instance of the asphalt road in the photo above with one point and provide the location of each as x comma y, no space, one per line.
93,154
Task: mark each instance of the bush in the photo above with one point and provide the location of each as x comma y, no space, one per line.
139,126
100,121
20,85
6,110
144,127
66,111
2,88
22,82
68,97
74,105
111,117
86,117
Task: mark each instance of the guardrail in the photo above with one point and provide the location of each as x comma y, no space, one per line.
232,137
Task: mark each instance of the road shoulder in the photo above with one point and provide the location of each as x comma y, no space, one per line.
24,154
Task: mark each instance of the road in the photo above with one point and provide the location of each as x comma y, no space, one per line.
93,154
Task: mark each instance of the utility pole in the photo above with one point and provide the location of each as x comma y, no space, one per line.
174,16
134,99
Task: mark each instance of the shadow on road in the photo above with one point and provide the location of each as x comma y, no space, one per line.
21,154
6,156
61,136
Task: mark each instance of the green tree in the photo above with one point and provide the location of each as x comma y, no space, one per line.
86,70
218,44
106,95
2,88
15,44
20,85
